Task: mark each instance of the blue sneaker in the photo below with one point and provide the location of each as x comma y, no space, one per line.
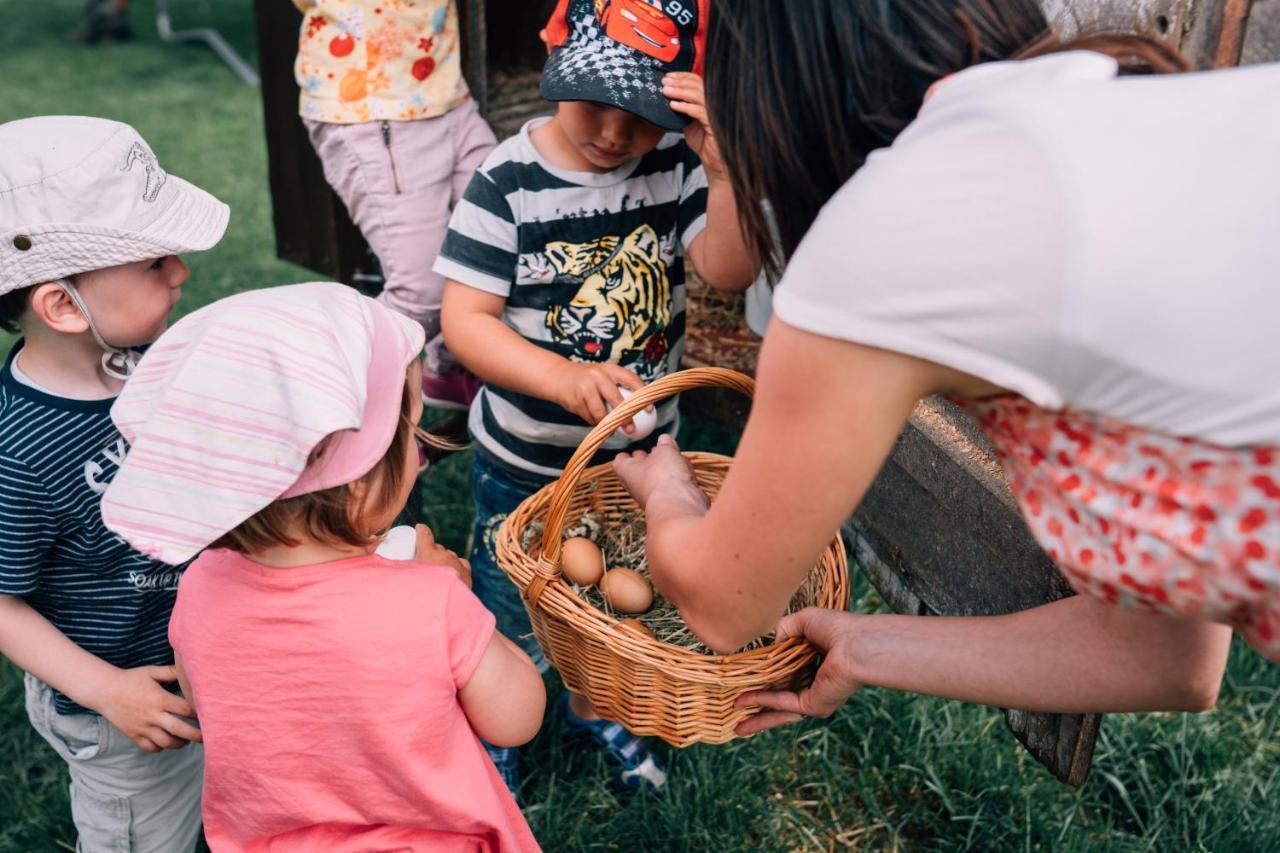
507,760
638,766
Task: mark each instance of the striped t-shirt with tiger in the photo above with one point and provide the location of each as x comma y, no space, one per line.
592,268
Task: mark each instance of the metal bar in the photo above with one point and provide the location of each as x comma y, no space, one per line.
212,38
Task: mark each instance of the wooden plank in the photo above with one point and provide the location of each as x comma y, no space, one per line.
311,224
474,25
1210,33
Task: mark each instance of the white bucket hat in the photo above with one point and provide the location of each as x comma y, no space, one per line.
80,194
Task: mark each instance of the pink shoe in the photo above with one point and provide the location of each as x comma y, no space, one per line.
453,390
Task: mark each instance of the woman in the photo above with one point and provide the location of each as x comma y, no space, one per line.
1083,258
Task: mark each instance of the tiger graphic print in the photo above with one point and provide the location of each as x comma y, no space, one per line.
622,308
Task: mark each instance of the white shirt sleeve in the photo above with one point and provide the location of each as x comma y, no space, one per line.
948,246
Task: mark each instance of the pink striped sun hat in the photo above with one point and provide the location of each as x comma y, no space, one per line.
225,408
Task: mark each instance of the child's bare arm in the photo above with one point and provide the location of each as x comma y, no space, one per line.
504,701
492,350
1076,655
132,699
719,254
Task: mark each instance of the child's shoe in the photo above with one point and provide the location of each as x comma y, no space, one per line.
453,390
638,766
507,760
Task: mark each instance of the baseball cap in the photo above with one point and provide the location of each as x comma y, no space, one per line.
616,52
80,194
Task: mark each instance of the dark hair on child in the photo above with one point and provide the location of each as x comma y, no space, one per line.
12,306
334,516
801,92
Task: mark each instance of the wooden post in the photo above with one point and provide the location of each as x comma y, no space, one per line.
1208,32
474,26
311,224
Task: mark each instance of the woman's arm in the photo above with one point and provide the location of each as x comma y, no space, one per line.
504,701
1077,655
825,417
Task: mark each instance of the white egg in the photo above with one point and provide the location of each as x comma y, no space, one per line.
645,422
400,543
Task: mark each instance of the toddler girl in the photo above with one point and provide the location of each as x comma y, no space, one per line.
342,695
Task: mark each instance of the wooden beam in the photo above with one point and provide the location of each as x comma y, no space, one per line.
312,227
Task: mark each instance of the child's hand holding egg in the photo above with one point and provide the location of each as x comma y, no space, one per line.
643,424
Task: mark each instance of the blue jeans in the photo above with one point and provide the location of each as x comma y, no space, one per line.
498,491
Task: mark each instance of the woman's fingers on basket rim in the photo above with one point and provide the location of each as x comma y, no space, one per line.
821,699
819,625
766,720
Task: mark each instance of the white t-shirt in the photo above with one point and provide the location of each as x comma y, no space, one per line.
1106,243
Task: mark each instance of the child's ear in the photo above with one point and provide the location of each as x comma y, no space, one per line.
51,305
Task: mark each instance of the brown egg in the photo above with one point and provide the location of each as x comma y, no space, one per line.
626,591
635,626
581,561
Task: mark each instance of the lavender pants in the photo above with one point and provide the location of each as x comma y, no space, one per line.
400,181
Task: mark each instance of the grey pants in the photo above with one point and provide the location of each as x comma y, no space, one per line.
123,799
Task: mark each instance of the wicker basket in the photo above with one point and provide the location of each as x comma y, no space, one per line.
652,688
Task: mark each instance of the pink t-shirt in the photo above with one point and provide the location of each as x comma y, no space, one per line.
328,698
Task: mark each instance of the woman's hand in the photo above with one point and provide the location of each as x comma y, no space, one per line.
688,98
664,471
832,632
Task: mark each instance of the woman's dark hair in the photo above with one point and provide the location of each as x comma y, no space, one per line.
801,92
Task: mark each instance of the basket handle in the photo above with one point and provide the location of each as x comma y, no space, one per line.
562,494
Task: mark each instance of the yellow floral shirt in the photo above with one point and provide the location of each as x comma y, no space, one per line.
370,60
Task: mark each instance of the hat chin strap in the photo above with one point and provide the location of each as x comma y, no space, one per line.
117,363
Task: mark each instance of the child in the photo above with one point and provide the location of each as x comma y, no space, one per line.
89,268
340,693
389,114
566,265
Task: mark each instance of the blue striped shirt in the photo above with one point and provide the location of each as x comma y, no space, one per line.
57,455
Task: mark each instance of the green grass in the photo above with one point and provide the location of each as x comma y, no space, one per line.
889,771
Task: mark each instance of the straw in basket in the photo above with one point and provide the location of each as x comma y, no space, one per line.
652,688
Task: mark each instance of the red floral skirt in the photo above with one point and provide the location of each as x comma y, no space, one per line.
1141,519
